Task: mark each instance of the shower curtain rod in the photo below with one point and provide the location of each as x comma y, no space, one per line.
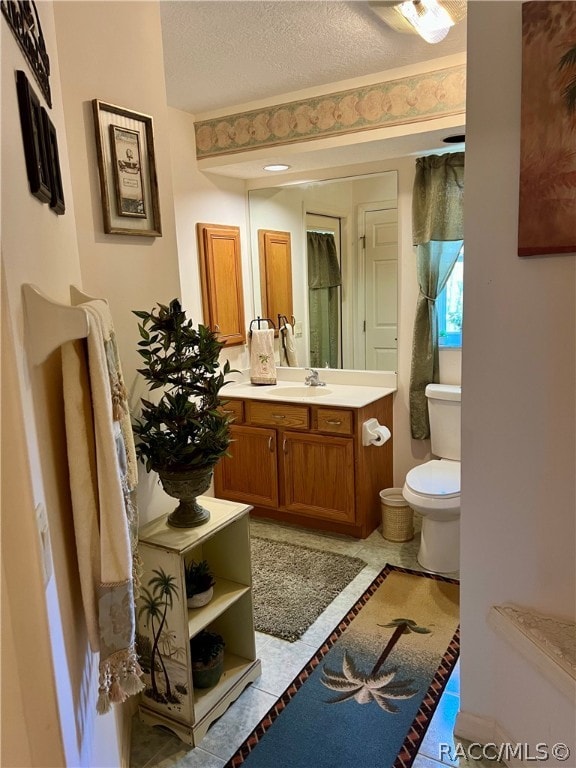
324,215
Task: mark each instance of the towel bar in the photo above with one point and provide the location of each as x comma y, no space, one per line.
260,320
283,320
50,323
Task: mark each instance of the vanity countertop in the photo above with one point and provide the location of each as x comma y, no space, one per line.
340,395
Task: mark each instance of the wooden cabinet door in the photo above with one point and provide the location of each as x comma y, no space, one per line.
318,475
275,274
250,473
221,275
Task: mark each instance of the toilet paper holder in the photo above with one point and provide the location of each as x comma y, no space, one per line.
374,433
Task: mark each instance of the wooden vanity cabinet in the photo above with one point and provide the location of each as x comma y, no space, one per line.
252,473
306,464
318,476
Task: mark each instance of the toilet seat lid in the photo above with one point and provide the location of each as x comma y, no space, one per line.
435,478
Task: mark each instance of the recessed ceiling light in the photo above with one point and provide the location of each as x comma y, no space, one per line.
458,138
276,167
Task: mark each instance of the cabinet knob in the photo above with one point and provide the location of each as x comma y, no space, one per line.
279,415
335,422
284,446
271,444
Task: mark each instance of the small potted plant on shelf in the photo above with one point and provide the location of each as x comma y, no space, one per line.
207,651
199,583
183,434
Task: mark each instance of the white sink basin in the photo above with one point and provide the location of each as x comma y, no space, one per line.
300,392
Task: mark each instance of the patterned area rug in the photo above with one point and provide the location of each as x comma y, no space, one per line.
292,585
367,696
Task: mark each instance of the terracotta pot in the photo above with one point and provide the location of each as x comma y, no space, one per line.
186,486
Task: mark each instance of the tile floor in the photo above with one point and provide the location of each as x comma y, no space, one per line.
281,662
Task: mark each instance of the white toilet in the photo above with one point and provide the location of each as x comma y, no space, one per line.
433,488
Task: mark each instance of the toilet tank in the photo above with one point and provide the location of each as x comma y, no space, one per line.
444,413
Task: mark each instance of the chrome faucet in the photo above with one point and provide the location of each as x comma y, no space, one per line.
313,380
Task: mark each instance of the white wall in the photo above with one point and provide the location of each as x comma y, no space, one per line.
518,436
30,726
210,199
57,672
130,272
49,643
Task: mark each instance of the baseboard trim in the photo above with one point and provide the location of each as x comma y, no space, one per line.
543,641
475,728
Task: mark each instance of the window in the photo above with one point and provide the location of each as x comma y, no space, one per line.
449,308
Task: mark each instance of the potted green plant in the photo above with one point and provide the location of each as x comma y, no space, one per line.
199,581
183,434
207,651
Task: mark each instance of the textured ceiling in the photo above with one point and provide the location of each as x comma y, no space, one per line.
225,53
220,54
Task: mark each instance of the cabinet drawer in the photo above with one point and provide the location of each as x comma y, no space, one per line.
333,420
278,415
234,409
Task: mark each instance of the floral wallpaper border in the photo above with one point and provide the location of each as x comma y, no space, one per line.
406,100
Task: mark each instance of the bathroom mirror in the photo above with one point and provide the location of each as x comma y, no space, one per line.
335,273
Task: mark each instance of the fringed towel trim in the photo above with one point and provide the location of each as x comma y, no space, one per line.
119,678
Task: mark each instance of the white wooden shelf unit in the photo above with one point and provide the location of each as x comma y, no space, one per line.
170,698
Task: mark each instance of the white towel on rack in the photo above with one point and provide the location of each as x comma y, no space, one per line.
289,356
262,364
103,475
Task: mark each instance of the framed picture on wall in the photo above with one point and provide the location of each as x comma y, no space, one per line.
51,145
35,154
127,170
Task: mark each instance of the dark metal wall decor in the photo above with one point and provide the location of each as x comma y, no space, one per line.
23,19
51,145
33,137
40,147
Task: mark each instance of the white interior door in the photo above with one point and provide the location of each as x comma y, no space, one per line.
381,289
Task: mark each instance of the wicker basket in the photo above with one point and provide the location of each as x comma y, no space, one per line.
397,516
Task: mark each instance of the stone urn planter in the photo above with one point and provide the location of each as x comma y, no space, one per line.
187,486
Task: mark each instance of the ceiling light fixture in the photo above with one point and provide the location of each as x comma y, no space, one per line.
276,167
431,19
